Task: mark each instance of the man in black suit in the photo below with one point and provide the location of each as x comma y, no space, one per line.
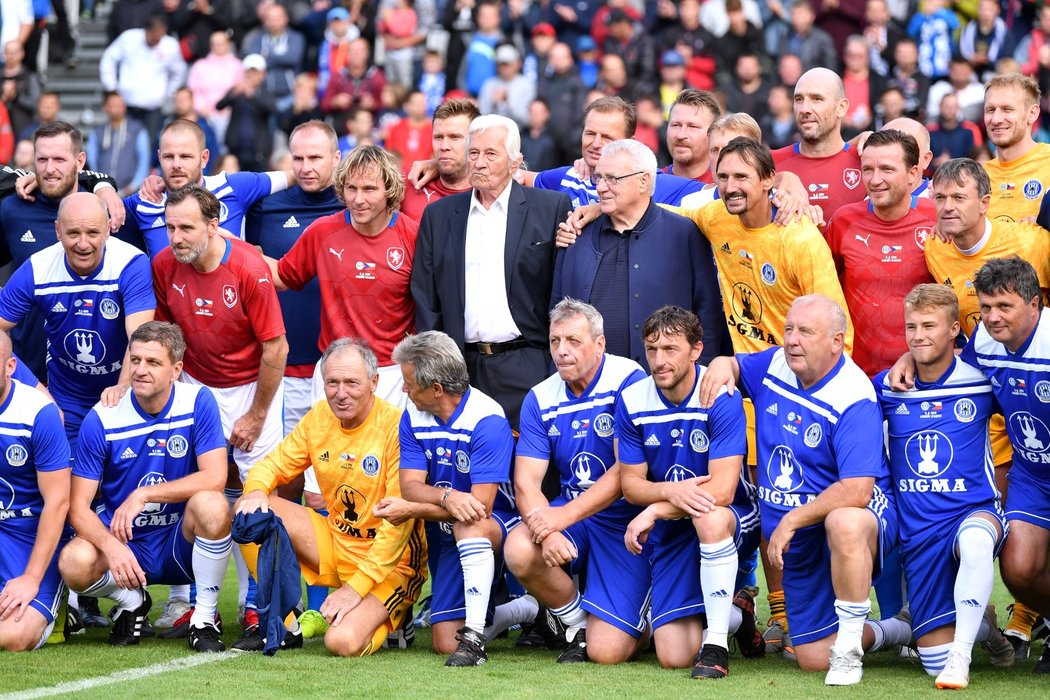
484,267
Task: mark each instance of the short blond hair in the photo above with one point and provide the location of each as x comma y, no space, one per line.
1020,81
930,297
741,122
372,158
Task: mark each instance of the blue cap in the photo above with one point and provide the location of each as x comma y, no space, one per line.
585,43
337,13
672,58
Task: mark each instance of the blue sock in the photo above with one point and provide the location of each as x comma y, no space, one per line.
889,589
315,595
193,594
249,600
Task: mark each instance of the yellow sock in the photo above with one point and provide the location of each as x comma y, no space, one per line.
1022,619
58,632
777,611
250,552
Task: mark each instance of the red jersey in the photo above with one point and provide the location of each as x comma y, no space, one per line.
410,143
417,200
831,181
364,280
226,314
707,177
879,262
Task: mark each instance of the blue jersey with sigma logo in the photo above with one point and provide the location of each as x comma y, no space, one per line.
575,433
670,189
123,447
1021,382
676,442
31,441
84,318
475,446
808,439
236,192
940,454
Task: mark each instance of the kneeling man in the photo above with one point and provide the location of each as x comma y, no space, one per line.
351,441
159,458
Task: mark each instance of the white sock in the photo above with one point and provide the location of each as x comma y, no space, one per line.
210,558
181,592
973,583
934,658
889,633
852,617
514,612
718,564
479,567
573,616
73,601
106,587
736,618
238,559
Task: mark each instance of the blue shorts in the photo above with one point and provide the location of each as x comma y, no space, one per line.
931,566
447,601
617,583
165,555
674,552
16,545
808,594
1028,499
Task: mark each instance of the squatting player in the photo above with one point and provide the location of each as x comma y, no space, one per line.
686,465
951,520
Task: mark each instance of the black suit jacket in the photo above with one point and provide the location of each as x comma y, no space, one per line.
438,267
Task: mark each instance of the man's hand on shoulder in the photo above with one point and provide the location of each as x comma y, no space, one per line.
152,189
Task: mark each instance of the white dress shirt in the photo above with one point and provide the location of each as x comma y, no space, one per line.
486,311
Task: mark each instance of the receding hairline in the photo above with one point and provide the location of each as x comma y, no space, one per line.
825,78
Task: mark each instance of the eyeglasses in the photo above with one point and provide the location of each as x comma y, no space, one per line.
613,180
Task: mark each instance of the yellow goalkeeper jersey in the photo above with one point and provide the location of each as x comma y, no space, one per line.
1018,186
355,469
761,272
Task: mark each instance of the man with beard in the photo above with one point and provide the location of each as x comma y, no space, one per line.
451,121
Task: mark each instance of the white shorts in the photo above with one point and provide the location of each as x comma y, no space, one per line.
390,389
297,393
233,403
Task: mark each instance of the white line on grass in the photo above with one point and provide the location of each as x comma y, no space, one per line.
129,674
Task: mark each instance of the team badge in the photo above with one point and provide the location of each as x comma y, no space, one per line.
229,295
929,453
109,309
370,465
769,273
462,462
85,347
747,306
1029,431
783,470
698,440
17,455
586,469
224,212
177,446
1033,189
966,410
1042,391
395,258
603,425
812,435
851,178
922,234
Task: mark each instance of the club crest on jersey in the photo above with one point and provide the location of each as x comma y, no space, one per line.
17,455
109,309
85,347
177,446
922,234
1030,432
224,212
7,495
586,468
1033,189
769,273
229,295
603,425
395,257
1042,391
462,462
679,473
966,410
370,465
783,470
699,441
812,435
851,178
929,453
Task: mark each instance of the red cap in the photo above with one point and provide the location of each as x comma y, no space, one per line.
544,28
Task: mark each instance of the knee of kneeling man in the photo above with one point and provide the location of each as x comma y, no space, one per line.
75,561
344,644
16,639
848,524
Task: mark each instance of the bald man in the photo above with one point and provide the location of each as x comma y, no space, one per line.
93,291
921,185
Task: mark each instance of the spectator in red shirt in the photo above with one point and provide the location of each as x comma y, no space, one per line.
411,137
358,84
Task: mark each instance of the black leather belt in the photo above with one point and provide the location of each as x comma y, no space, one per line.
496,348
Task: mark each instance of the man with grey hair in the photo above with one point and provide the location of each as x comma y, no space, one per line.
374,564
484,267
823,485
636,257
456,449
567,424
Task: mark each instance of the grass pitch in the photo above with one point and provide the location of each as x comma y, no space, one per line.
97,670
